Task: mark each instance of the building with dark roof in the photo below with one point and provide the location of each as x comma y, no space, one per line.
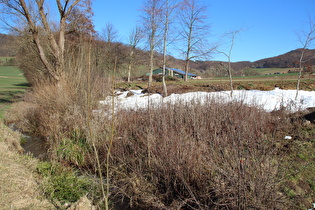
173,72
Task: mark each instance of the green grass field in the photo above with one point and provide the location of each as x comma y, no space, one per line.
12,87
264,71
268,73
289,76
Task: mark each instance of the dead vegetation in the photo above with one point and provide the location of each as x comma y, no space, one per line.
188,156
199,156
19,184
219,85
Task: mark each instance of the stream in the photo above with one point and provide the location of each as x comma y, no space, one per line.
35,146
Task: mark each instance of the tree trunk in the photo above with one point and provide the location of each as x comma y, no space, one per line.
166,28
130,64
186,69
151,68
163,81
300,74
230,77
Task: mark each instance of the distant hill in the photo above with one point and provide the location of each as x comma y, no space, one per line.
290,59
7,45
287,60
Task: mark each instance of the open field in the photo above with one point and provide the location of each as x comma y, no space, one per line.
260,82
264,71
288,76
12,86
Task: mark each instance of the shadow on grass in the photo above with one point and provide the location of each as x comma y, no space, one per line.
11,96
24,84
5,101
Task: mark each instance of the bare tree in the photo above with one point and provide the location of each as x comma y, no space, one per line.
231,36
306,37
192,17
165,39
110,35
134,39
34,15
151,19
168,9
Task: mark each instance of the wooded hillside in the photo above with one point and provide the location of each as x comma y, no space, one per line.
287,60
7,47
290,59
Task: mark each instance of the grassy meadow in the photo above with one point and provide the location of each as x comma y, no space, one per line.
264,71
12,86
268,74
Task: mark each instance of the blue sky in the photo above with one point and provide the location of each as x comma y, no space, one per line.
271,25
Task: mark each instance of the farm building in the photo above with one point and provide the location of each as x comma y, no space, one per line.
173,72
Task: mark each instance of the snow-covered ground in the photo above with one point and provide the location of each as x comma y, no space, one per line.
268,100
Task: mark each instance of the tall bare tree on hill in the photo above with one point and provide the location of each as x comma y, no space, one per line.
151,19
110,35
193,30
306,37
168,9
134,38
34,15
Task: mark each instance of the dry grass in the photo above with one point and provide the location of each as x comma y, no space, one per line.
220,85
19,185
55,112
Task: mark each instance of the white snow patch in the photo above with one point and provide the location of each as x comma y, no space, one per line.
268,100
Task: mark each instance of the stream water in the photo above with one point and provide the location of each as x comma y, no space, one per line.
35,146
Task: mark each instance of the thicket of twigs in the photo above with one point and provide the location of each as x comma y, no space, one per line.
198,156
190,156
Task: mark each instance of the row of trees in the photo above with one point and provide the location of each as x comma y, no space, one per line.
177,25
190,32
52,38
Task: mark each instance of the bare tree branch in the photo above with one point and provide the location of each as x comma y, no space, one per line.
192,15
306,37
231,36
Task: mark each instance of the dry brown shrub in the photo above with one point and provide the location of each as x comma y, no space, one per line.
17,115
55,112
190,156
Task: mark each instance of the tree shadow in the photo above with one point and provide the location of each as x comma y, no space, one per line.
5,101
24,84
11,96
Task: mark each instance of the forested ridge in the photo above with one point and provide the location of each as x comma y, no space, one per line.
290,59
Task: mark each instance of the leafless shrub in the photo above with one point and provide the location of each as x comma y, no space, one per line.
197,156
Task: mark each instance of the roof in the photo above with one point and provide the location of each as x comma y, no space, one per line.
180,71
